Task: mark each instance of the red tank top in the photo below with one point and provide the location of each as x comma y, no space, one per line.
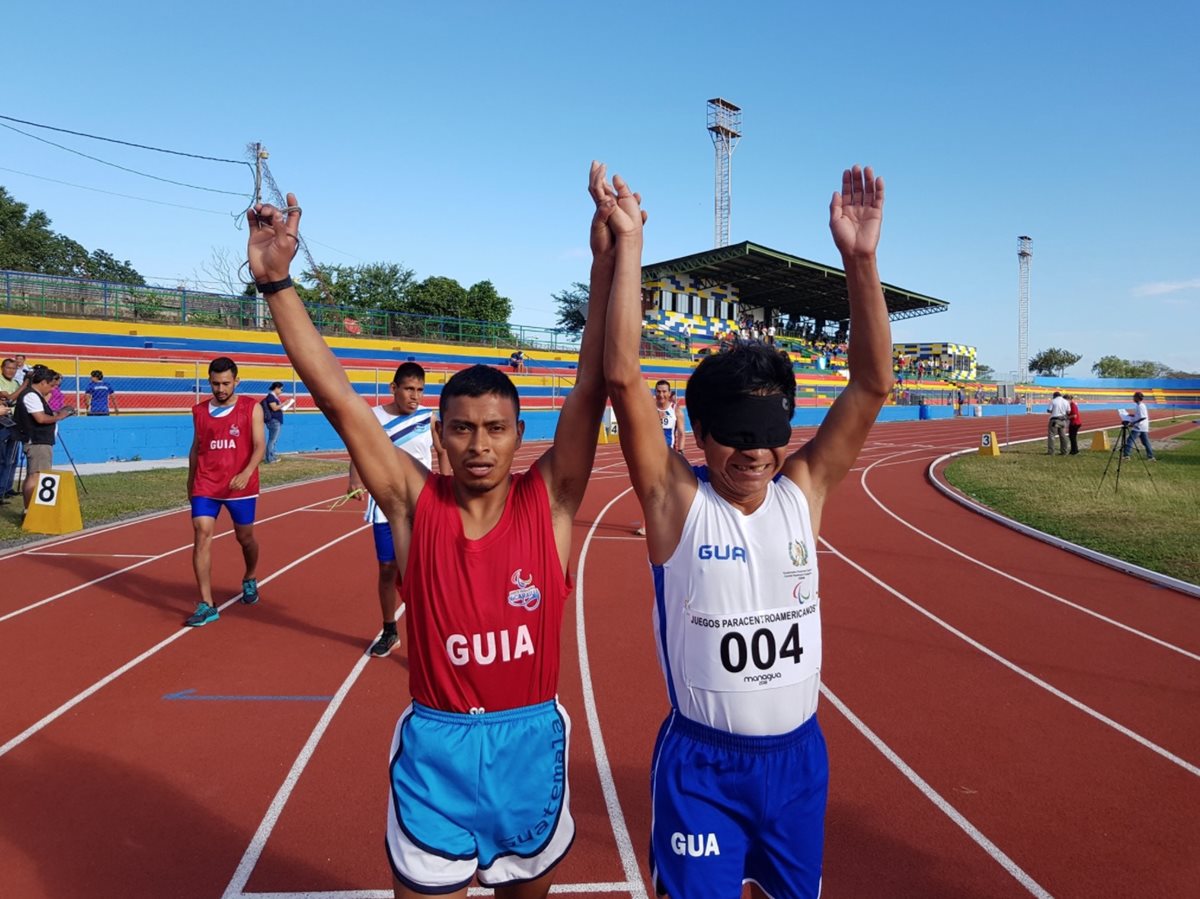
223,448
484,616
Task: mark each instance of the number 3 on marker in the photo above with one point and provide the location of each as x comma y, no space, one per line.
47,490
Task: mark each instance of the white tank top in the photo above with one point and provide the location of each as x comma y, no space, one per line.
412,433
668,417
737,615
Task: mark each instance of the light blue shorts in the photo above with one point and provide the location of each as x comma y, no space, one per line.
729,809
478,795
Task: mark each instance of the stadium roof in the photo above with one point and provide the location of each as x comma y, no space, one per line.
770,279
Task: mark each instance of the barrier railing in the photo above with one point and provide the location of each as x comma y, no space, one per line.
162,384
25,293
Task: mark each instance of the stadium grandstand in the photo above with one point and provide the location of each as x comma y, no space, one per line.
153,345
698,299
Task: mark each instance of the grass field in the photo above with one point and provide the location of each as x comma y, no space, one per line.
112,497
1152,520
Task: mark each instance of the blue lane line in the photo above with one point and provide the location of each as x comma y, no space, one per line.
190,695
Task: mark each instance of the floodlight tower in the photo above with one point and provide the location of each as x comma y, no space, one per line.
1024,254
724,124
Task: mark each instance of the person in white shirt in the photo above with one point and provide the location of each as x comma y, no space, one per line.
739,780
1139,429
1060,414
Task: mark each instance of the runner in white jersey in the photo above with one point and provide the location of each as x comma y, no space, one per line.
740,777
668,411
410,428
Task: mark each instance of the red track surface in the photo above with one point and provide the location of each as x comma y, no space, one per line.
1003,718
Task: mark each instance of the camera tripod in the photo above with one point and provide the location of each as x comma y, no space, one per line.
1118,450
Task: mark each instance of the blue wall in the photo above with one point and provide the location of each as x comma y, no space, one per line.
126,437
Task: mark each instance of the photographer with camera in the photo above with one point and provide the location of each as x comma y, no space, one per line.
1138,429
38,425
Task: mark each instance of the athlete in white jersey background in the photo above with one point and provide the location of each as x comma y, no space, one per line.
739,776
410,428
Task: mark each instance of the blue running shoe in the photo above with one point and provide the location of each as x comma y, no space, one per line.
203,615
250,591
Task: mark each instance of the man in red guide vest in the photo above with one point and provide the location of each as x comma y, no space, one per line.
223,472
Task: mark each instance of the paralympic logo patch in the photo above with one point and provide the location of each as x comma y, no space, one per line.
526,596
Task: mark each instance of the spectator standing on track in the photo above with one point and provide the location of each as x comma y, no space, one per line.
223,471
1060,413
10,435
1075,422
1139,429
38,425
272,409
100,395
740,777
479,760
410,429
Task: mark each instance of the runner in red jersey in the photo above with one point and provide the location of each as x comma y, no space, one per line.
495,603
479,787
223,472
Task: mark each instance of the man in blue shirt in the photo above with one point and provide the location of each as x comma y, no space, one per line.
272,405
102,395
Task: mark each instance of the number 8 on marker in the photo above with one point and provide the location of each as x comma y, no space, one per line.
47,492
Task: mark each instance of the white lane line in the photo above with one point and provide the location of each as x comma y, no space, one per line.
1016,669
608,786
96,555
54,543
1016,580
133,663
146,560
1146,574
936,798
587,889
259,842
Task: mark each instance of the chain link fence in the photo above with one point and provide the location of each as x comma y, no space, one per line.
52,295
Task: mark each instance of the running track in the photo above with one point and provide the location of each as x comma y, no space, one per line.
1004,719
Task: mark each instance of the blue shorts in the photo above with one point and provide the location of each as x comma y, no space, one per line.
730,809
478,795
240,510
669,433
385,549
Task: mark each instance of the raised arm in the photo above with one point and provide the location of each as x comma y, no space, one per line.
657,473
567,465
394,479
855,217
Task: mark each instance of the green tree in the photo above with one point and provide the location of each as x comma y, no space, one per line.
984,372
571,305
437,295
1116,367
28,244
485,304
103,266
1053,361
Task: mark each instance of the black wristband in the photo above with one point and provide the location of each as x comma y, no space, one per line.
274,286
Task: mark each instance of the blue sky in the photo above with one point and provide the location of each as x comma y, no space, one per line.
455,138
